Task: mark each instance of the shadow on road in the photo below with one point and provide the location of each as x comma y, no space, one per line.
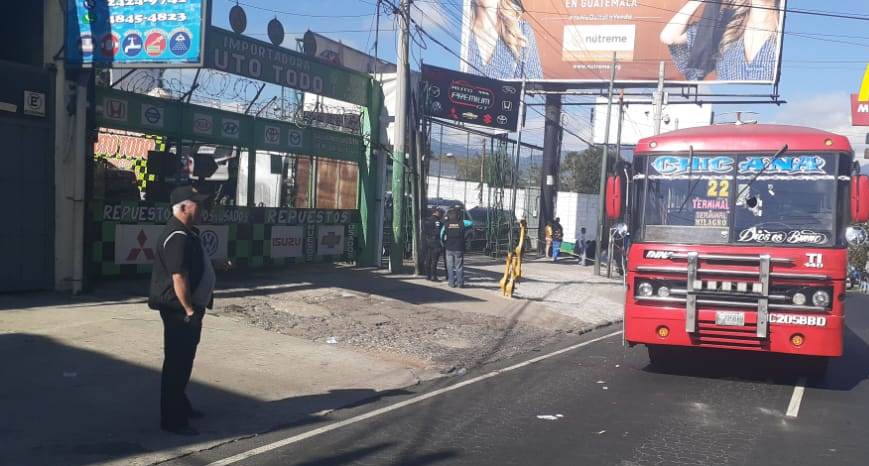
66,405
843,373
255,283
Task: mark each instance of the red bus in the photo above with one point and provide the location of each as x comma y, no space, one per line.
739,238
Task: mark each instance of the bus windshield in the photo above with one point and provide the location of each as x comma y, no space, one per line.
737,198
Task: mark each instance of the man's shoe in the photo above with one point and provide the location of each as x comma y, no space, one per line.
195,414
186,430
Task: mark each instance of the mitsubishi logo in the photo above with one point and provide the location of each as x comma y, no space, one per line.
330,240
141,238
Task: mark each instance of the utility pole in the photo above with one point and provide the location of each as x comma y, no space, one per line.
396,255
609,270
659,99
601,205
549,166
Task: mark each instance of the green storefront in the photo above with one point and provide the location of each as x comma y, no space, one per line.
121,232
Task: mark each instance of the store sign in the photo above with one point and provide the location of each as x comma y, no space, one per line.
287,241
330,240
137,244
135,33
319,142
135,112
255,59
471,99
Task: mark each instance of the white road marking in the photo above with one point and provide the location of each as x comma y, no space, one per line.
797,398
399,405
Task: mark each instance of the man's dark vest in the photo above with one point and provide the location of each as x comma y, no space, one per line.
455,232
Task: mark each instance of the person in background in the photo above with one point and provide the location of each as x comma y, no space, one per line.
580,246
453,237
182,287
557,237
547,231
431,232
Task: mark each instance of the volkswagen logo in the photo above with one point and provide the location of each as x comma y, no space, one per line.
210,242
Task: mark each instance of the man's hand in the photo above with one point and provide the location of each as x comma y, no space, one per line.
182,290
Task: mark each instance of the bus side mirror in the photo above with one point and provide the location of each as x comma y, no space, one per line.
860,198
613,198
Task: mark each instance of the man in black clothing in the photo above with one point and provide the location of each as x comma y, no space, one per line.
453,237
182,285
431,228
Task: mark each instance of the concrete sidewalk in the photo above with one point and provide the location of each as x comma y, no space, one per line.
81,374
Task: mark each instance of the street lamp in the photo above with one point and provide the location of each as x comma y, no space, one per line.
448,155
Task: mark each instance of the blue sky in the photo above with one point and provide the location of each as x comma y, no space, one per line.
819,72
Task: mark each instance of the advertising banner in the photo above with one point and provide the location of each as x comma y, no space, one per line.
135,33
330,240
469,98
287,241
236,54
136,244
574,40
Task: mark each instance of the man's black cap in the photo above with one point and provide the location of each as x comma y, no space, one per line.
186,193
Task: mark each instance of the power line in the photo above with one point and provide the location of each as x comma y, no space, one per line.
294,13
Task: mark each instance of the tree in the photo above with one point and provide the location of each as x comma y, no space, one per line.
580,171
468,168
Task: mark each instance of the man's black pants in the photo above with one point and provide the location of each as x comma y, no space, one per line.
433,256
180,339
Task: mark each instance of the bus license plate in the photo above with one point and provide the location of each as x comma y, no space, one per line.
736,319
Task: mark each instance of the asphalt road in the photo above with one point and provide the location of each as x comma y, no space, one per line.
607,407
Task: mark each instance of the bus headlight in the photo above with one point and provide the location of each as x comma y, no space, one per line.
645,289
821,298
799,299
663,292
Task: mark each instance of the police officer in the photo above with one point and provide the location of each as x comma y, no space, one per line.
182,285
453,237
431,232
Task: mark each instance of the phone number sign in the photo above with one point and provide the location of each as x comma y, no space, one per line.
135,33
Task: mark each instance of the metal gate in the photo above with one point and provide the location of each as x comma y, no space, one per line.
26,180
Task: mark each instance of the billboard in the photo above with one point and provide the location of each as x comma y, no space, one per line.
471,99
574,40
135,34
243,56
639,120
